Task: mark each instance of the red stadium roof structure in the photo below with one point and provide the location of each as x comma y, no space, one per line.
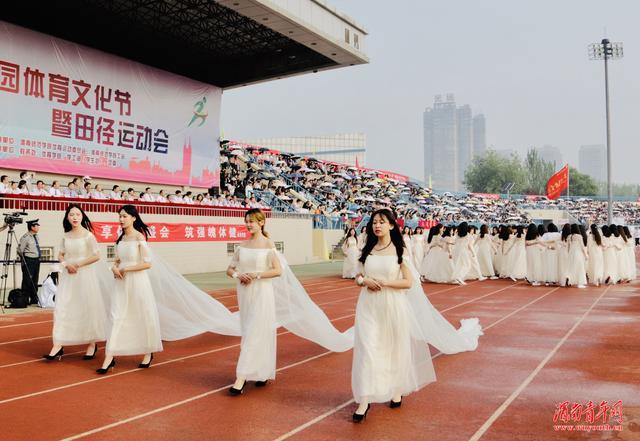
226,43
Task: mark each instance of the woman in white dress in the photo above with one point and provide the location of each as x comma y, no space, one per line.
433,242
516,256
610,261
464,259
254,265
394,322
136,325
441,259
80,313
631,254
563,255
362,238
577,268
417,246
406,238
534,251
496,259
269,295
551,240
485,252
595,265
351,253
621,257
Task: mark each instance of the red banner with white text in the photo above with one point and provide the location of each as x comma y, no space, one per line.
558,183
108,232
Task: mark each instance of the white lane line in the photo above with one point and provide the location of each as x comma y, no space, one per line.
188,400
25,324
489,422
24,339
352,401
180,403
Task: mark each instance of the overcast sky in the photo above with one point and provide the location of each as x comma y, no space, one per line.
524,64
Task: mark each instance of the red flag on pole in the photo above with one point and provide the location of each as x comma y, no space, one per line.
558,183
357,165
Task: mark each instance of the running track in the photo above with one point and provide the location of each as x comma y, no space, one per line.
541,346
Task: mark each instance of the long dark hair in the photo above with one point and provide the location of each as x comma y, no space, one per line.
86,223
355,233
627,232
434,231
519,231
566,231
583,231
541,230
605,231
596,234
622,233
484,230
532,232
463,229
138,225
372,239
551,228
614,230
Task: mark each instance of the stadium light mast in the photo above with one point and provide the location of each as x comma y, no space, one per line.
605,50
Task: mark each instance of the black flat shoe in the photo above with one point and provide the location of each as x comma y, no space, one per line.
57,355
261,383
146,365
395,404
92,356
103,371
357,418
233,391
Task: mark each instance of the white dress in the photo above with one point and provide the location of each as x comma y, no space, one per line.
464,260
516,259
609,260
257,361
386,360
136,326
440,269
563,261
631,259
406,238
595,266
535,269
550,257
80,314
417,244
577,268
485,255
621,258
351,254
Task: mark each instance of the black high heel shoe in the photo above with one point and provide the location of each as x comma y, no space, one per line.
357,418
395,404
146,365
57,355
261,383
103,371
92,356
233,391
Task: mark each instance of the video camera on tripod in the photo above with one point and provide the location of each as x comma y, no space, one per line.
11,219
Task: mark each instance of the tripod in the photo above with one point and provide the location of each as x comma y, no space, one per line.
6,261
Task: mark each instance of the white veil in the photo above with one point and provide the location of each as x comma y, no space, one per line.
299,314
184,309
434,328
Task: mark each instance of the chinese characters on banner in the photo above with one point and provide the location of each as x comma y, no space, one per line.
558,183
84,112
108,232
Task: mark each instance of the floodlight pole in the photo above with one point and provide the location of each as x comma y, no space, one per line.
606,50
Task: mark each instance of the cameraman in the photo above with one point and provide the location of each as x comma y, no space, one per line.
29,252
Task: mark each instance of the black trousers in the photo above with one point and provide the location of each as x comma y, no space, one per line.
637,241
30,273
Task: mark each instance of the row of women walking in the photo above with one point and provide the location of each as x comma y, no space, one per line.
141,300
540,255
